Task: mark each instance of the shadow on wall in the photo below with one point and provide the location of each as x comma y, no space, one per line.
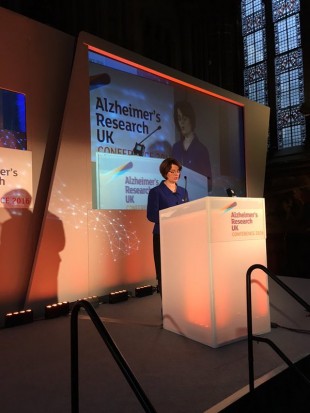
15,247
16,252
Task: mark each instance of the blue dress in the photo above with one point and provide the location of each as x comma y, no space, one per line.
161,197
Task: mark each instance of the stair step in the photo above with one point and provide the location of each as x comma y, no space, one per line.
285,393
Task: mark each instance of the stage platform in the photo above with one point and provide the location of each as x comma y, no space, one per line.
177,374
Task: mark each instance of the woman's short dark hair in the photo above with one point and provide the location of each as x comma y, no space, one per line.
166,164
187,110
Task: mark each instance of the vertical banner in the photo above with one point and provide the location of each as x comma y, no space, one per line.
15,178
15,228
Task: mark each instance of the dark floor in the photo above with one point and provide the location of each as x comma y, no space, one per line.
177,374
286,392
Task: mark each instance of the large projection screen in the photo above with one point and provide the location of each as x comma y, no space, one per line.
136,116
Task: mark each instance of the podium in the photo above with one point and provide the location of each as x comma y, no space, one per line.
207,246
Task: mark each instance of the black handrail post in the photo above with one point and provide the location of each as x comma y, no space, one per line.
251,337
250,329
128,374
74,361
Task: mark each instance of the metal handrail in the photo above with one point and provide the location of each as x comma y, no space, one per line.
252,337
128,374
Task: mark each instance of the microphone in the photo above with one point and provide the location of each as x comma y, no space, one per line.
185,187
139,148
230,192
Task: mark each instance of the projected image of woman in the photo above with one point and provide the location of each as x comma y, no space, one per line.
167,194
189,150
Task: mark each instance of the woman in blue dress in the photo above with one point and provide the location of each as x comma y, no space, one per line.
167,194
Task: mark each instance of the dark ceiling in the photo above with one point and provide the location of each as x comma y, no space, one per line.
198,37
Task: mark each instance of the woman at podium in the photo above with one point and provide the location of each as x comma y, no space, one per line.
167,194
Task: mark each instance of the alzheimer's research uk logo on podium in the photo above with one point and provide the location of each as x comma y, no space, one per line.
15,178
239,220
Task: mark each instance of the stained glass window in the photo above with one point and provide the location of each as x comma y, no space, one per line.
284,8
289,83
287,34
255,83
287,61
254,40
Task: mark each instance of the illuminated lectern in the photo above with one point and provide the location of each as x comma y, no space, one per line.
207,246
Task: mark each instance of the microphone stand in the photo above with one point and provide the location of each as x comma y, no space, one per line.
185,187
139,148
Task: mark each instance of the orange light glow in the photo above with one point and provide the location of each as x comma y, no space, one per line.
156,73
260,297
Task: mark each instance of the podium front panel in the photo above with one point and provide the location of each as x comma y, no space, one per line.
186,287
231,261
204,269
